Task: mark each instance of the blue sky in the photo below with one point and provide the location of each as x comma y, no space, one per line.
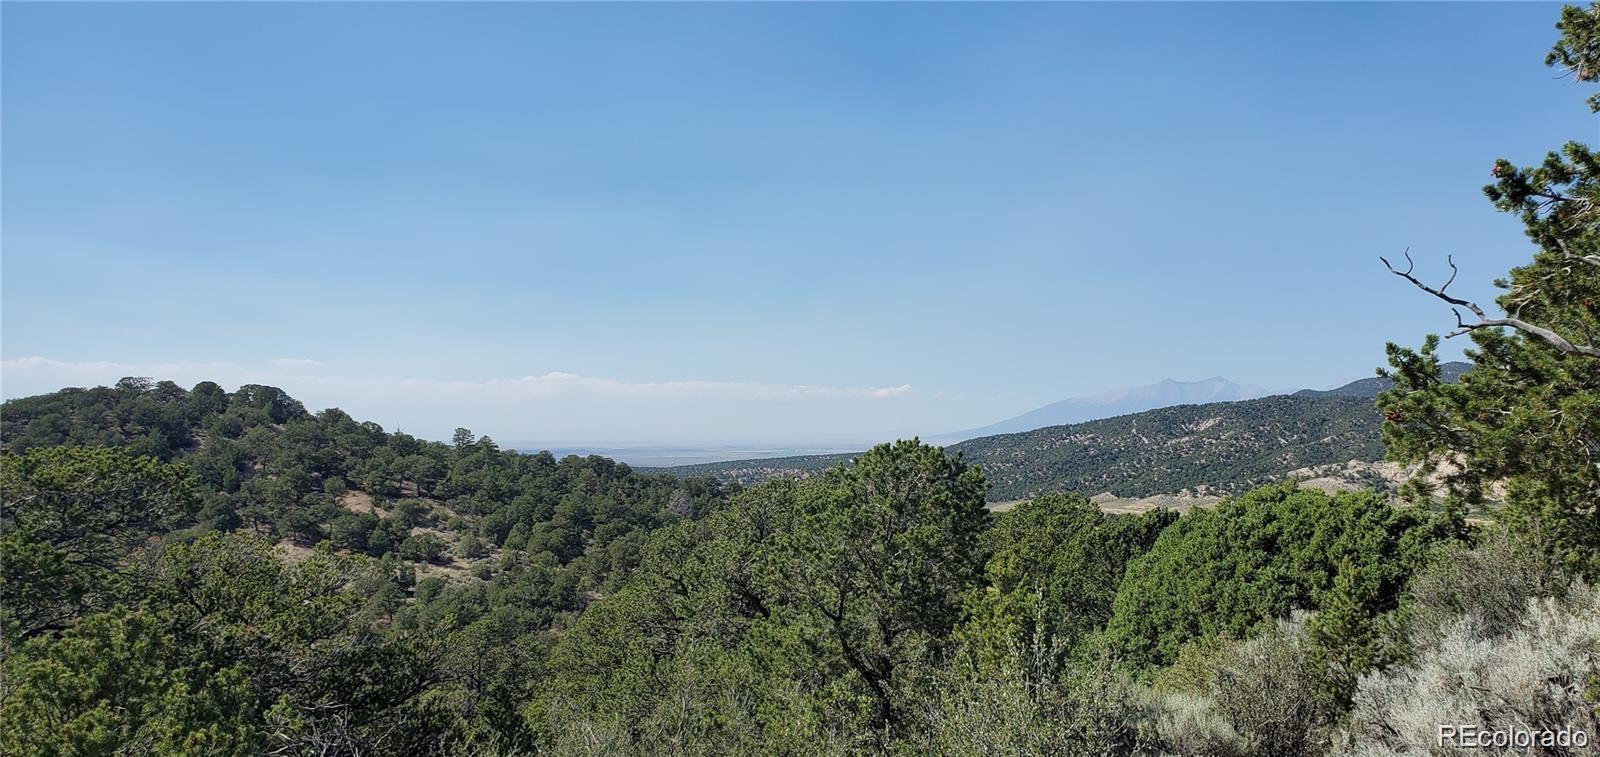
774,222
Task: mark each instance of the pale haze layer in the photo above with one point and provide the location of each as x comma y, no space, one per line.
747,222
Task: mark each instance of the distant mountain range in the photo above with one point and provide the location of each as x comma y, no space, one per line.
1118,402
1209,448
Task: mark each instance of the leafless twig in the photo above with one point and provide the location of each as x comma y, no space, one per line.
1484,321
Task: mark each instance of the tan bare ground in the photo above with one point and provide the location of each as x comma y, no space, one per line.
357,501
1358,475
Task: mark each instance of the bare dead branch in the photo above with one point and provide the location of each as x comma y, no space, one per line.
1484,321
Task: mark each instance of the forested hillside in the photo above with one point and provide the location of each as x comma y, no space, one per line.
263,464
255,500
1220,448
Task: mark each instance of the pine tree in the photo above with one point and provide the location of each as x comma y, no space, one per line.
1524,424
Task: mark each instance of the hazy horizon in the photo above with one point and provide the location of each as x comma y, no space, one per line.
40,376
